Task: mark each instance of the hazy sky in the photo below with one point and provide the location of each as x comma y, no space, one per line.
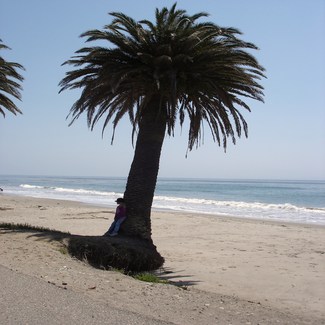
286,134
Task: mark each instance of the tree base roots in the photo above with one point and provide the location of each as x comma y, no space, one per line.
124,253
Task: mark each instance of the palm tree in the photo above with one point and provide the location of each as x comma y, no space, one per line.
157,74
8,84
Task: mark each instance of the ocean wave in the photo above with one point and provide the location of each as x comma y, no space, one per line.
165,200
68,190
33,186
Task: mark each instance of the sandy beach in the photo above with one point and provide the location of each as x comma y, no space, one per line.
231,271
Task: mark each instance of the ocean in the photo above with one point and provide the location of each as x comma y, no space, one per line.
280,200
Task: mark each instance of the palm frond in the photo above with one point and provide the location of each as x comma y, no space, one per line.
9,84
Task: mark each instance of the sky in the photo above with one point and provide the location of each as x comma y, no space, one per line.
286,133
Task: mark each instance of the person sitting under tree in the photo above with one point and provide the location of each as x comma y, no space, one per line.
120,216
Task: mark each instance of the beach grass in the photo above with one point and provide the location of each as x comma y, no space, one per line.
149,277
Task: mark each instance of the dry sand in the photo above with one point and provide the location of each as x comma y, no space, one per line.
232,271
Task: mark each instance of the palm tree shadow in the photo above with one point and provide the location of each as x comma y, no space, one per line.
41,233
168,274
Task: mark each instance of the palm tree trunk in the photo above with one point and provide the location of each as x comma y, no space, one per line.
143,174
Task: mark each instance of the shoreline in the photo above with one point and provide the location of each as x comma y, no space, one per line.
177,212
270,265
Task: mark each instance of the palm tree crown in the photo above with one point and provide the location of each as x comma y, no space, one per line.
8,84
159,73
193,69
